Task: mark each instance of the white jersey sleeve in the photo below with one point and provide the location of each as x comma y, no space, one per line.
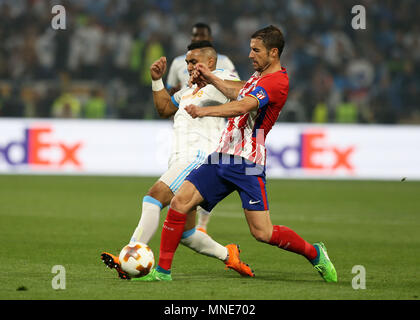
176,98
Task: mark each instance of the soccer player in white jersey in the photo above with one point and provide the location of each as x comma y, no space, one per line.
193,141
178,77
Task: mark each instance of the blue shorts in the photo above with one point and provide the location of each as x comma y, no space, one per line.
221,174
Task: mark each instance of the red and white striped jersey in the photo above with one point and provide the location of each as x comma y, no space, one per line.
244,135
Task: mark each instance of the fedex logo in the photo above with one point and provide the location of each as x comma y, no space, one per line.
313,153
38,148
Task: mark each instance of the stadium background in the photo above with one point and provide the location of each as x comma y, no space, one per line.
100,62
97,69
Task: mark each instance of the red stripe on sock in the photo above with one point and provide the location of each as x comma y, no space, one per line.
287,239
172,230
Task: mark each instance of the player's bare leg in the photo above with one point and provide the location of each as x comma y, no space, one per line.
260,225
187,198
261,228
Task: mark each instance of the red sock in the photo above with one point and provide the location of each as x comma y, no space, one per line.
172,230
287,239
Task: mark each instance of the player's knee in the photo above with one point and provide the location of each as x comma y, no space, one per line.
179,204
153,193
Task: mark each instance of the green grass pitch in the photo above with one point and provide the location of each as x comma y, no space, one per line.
67,220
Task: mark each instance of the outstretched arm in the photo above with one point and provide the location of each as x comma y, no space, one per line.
161,97
227,110
203,76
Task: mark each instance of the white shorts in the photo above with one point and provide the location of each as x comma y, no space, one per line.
178,170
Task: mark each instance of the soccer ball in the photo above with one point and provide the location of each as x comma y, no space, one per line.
137,259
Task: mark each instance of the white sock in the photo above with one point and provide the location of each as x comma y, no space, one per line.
149,221
203,218
202,243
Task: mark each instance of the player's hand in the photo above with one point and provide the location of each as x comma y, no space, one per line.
201,76
194,111
197,79
204,71
158,68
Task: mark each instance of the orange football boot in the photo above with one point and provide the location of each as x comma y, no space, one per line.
235,263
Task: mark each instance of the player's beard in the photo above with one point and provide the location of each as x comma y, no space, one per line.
260,68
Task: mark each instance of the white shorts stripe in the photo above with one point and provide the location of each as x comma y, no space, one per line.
195,165
180,179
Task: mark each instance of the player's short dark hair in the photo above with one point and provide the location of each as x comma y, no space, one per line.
272,37
202,25
199,45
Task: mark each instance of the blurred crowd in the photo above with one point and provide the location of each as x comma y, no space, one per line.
98,67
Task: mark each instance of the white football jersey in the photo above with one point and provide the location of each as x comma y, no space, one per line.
178,73
199,135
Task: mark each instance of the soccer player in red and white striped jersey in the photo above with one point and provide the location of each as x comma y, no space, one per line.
238,164
244,135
